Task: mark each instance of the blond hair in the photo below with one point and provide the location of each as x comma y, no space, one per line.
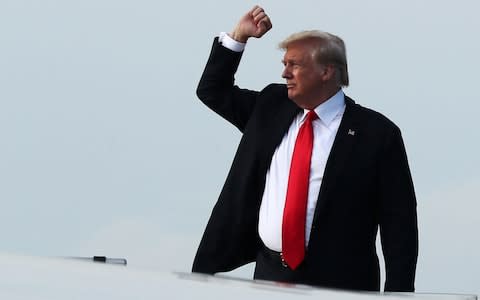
329,49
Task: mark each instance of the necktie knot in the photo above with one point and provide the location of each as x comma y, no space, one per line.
311,115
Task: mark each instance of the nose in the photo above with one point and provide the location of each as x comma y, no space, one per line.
286,73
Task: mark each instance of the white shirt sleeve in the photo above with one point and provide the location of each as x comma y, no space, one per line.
230,43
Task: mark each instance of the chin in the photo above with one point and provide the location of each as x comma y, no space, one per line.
291,95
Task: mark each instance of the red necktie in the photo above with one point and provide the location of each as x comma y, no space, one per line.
294,214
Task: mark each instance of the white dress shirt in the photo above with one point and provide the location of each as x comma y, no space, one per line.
325,128
273,201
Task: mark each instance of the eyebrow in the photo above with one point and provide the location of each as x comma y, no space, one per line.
291,60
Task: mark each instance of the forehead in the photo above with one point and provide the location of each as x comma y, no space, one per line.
298,50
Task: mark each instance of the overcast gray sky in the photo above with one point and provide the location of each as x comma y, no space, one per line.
105,149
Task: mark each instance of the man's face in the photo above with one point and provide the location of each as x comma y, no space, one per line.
303,74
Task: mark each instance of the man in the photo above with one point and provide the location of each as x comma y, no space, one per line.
314,177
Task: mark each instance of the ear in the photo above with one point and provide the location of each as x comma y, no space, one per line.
328,72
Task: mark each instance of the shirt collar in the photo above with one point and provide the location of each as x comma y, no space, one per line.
328,110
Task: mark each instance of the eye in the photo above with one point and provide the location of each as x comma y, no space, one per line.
291,64
295,65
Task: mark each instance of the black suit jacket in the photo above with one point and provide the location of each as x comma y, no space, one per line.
367,185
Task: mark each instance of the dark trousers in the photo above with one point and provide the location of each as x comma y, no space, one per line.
269,266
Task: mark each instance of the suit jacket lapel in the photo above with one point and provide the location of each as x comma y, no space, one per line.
343,144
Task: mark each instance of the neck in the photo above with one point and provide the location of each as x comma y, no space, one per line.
324,96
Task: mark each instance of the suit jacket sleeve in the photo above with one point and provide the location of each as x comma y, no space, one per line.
230,239
398,217
216,88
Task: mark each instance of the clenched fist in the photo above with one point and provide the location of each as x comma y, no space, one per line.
255,23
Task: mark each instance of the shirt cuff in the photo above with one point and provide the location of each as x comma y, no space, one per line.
230,43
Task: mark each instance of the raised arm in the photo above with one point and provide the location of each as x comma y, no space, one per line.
216,87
